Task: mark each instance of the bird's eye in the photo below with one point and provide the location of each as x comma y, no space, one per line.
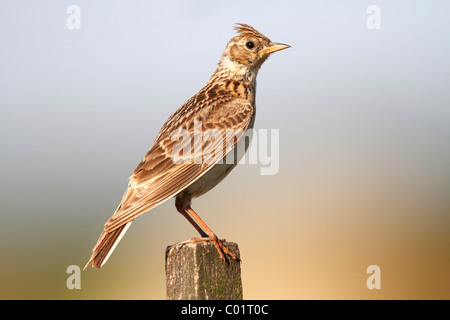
250,45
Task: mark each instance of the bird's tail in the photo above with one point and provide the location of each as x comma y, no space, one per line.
106,245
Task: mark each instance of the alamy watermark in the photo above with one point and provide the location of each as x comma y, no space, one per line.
230,146
374,280
373,21
74,280
73,21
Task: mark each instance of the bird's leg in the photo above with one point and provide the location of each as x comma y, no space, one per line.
183,206
194,224
218,243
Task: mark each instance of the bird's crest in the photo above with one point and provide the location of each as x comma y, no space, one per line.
245,29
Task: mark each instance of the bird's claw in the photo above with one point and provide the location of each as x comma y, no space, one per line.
220,247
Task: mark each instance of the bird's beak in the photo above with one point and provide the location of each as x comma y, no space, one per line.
274,48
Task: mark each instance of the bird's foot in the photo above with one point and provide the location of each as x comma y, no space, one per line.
218,243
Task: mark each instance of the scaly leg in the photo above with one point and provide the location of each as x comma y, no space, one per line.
183,205
211,237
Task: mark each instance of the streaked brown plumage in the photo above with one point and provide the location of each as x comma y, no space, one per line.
226,104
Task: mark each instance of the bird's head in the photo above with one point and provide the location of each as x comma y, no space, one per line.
249,49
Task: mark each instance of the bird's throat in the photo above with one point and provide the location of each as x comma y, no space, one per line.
235,70
236,78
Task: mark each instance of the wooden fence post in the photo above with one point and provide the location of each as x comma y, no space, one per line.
195,271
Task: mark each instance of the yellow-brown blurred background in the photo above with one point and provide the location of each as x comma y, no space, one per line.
364,122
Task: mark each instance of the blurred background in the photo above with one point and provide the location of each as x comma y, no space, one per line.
364,124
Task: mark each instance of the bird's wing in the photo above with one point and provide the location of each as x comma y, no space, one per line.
166,169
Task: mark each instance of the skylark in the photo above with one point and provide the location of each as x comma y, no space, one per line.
189,167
